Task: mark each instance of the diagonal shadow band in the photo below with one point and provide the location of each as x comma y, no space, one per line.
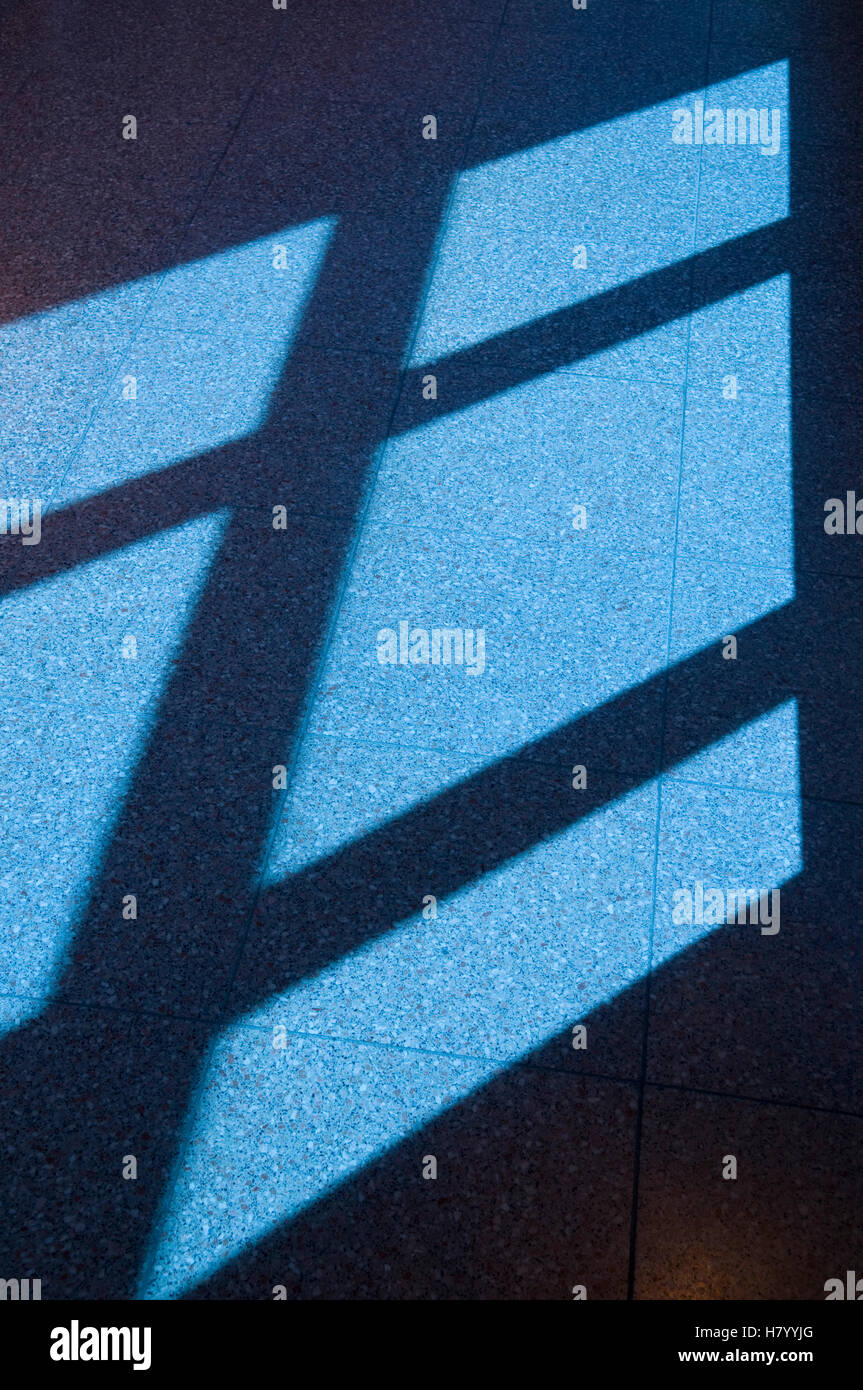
83,1065
570,335
108,521
532,1191
196,818
363,890
86,1086
194,824
535,1166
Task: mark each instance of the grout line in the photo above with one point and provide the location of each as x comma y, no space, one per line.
505,1063
737,1098
645,1032
559,545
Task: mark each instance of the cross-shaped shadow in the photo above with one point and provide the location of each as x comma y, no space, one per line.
84,1086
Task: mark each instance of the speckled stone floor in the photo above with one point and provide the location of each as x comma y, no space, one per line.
431,607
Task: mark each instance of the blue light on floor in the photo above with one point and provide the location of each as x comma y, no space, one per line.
205,344
76,711
75,716
689,538
394,1033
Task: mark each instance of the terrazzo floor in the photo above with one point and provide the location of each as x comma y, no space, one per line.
432,603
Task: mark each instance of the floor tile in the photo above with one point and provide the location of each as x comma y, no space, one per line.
84,1093
132,861
780,1230
194,396
55,376
107,630
740,347
532,233
518,465
398,1235
544,82
709,1026
736,496
743,184
377,926
555,643
726,861
730,716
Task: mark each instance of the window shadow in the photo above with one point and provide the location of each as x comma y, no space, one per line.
538,1192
